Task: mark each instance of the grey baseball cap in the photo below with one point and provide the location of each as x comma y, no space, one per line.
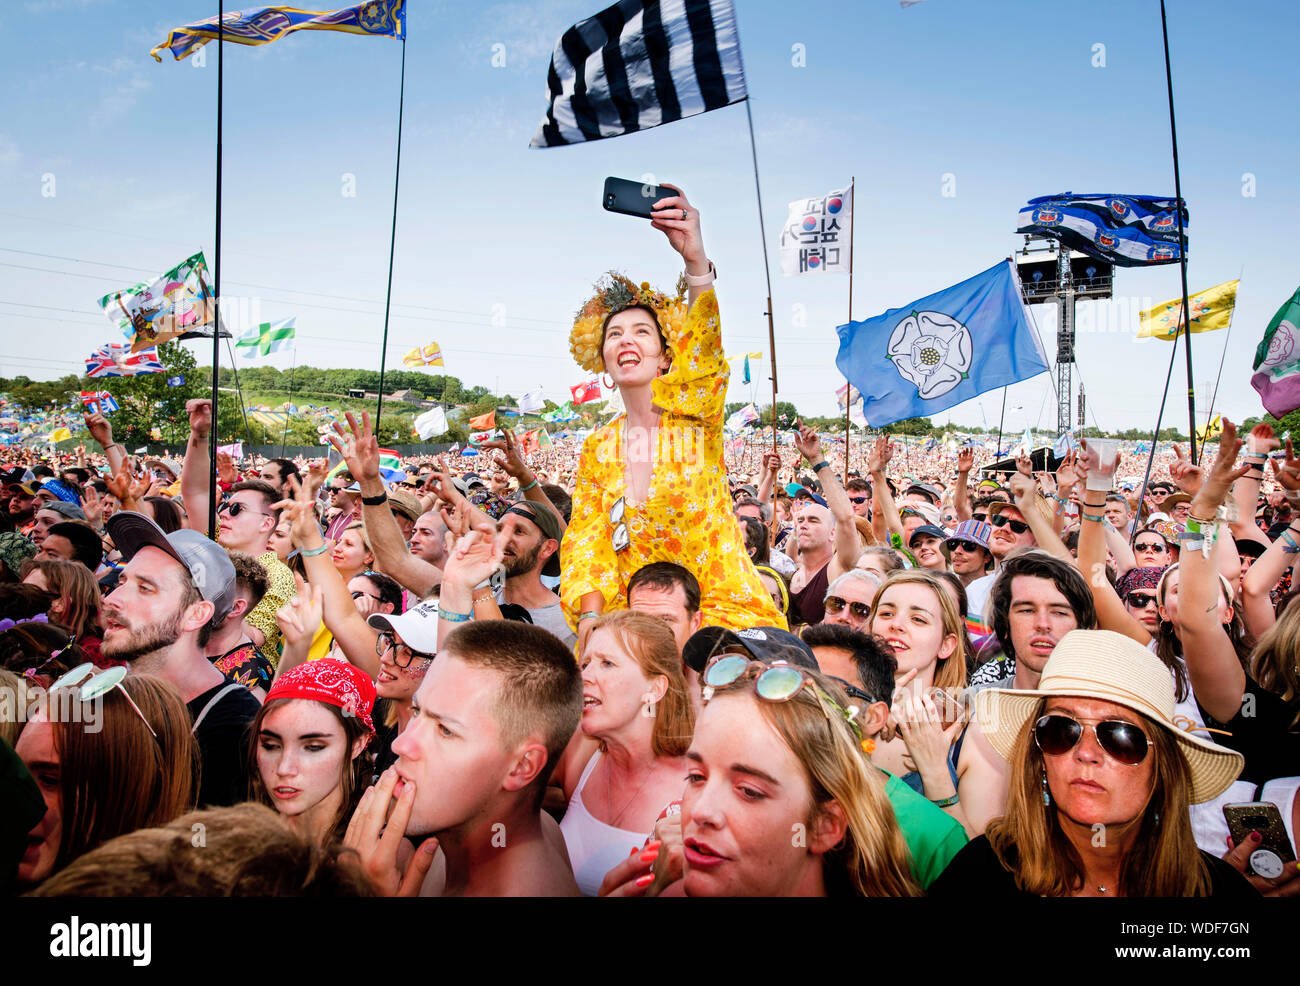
208,563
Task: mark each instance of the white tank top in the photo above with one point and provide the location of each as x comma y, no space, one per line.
594,847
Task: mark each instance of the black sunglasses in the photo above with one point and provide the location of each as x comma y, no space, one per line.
852,691
834,604
982,516
1001,520
236,508
1122,741
952,544
859,499
1149,546
1140,600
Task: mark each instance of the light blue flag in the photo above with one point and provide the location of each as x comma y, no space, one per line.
941,350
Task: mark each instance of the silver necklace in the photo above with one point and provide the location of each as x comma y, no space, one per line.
609,795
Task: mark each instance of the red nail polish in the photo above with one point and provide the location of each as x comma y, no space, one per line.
654,844
649,856
1256,837
633,852
645,881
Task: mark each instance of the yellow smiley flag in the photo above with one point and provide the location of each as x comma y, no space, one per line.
58,435
1211,309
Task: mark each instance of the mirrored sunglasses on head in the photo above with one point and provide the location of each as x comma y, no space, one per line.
90,686
774,683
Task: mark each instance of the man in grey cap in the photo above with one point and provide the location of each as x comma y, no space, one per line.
174,589
530,536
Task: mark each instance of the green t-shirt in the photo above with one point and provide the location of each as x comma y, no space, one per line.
933,836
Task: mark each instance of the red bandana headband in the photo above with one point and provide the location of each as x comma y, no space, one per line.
333,682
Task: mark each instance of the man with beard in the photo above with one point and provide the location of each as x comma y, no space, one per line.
530,541
173,590
276,473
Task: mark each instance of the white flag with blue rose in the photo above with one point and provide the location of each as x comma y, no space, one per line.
942,349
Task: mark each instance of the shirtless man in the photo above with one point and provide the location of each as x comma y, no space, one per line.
494,713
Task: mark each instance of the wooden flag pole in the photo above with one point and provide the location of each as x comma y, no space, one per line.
848,394
216,289
392,240
767,271
1182,249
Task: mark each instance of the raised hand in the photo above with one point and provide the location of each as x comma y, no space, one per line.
474,558
317,473
882,452
359,447
1262,439
683,234
300,617
1024,465
1288,474
100,429
807,442
1067,474
512,461
226,468
1187,476
1222,473
200,412
300,509
965,461
92,506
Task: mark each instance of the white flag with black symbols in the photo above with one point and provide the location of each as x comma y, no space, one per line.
816,236
641,63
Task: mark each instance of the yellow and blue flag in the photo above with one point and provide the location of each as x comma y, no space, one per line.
262,25
941,350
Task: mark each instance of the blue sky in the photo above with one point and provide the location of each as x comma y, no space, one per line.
498,244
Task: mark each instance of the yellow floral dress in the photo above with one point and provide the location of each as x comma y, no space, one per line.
687,517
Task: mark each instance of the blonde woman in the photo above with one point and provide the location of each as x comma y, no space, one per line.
931,749
779,799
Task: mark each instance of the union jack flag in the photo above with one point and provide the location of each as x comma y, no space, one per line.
98,401
115,360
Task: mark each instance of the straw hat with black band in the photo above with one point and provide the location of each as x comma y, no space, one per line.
1109,666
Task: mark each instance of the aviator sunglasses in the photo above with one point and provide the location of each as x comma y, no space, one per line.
1058,734
860,611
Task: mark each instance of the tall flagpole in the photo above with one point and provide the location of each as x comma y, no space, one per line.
1182,249
767,271
216,287
392,240
1214,396
848,394
292,368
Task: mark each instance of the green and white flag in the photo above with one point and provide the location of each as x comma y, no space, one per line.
265,339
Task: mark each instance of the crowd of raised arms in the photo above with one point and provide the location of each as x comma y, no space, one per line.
643,665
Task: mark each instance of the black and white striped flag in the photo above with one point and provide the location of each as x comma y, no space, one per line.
641,63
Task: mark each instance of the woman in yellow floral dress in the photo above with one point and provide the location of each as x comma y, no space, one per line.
651,484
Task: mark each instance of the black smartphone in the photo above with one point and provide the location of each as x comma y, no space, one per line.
632,198
1270,859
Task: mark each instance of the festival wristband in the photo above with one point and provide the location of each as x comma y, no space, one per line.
450,617
591,614
1289,543
820,464
1099,518
945,802
375,501
525,489
313,552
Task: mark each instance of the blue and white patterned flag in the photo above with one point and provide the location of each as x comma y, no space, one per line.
1126,230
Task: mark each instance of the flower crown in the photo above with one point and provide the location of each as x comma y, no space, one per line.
615,292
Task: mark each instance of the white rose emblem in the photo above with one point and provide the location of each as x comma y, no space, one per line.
931,350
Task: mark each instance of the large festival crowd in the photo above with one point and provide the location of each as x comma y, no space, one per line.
640,665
